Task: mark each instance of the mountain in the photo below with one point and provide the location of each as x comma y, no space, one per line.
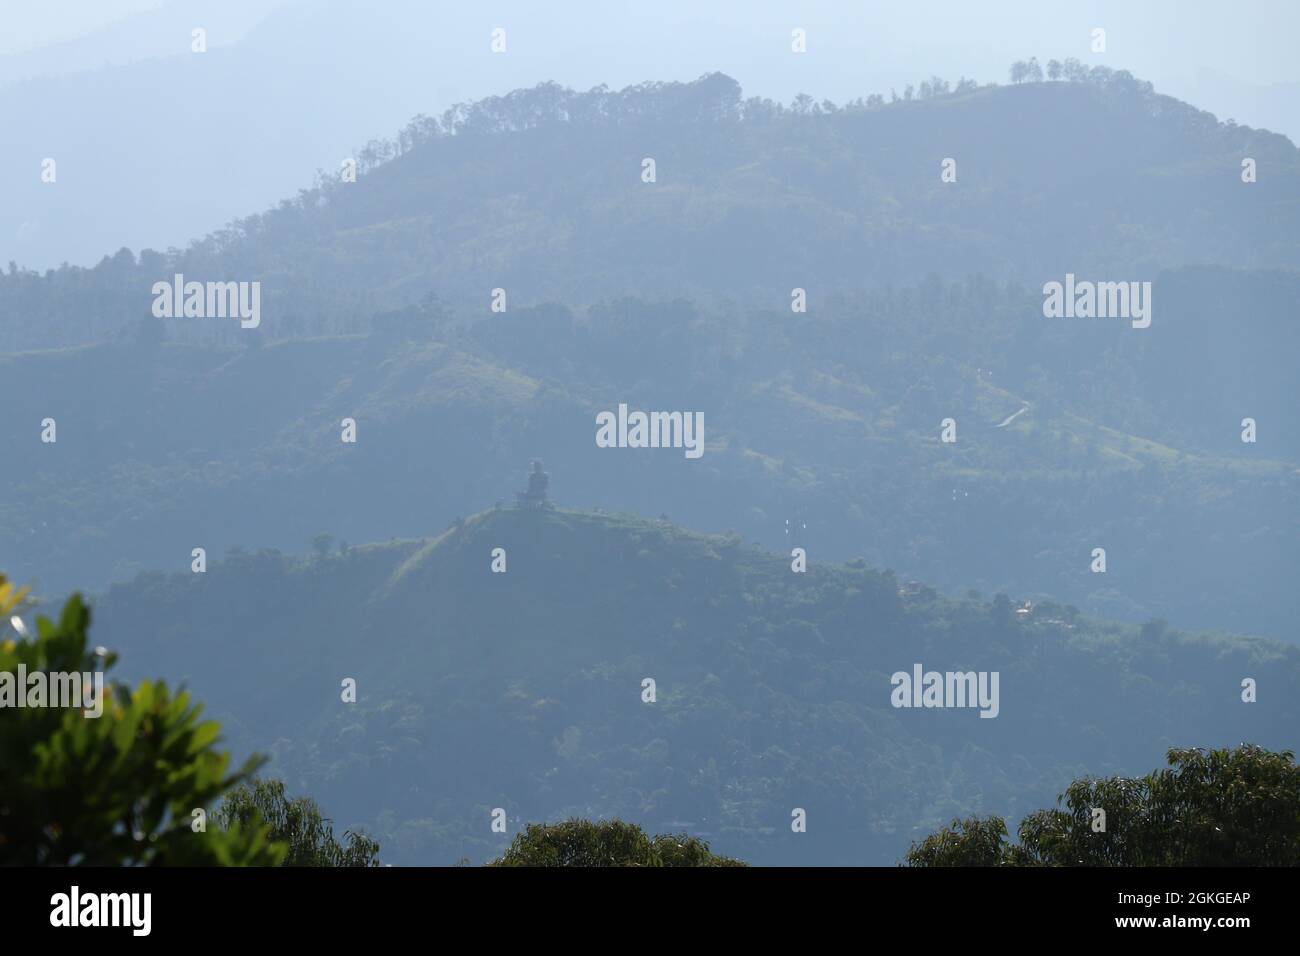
1070,436
540,193
157,145
924,304
524,689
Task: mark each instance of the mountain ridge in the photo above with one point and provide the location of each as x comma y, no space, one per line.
752,199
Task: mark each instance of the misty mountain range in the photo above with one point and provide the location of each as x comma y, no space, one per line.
825,431
376,302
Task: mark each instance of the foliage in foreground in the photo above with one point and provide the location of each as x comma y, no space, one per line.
605,843
296,823
1229,807
115,790
132,786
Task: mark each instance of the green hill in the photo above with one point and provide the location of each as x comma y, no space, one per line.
523,689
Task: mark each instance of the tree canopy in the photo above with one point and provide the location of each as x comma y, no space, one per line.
1228,807
605,843
298,824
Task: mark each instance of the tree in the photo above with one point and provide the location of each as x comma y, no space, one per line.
1073,70
1034,72
1019,70
1230,807
1053,69
126,788
605,843
970,842
296,823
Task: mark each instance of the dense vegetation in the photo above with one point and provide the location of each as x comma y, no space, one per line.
605,843
308,837
1230,807
785,709
522,691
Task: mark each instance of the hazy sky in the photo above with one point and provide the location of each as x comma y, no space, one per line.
1252,40
32,24
35,23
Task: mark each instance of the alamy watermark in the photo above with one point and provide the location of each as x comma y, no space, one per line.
84,691
923,688
651,430
1098,300
208,300
75,908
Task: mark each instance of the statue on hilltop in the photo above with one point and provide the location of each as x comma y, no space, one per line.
535,496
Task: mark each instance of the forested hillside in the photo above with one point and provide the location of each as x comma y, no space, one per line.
524,689
540,193
1070,436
